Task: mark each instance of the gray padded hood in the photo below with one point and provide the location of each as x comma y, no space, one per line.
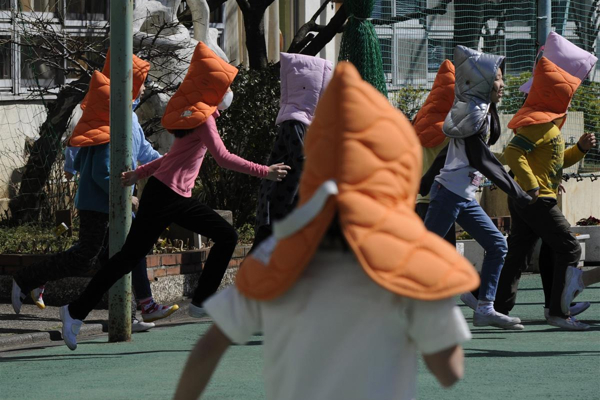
475,75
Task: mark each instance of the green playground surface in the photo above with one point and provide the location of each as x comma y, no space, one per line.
541,362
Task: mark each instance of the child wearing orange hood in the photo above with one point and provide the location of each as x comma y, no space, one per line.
351,286
190,116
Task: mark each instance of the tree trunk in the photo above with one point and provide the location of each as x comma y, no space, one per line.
25,207
254,25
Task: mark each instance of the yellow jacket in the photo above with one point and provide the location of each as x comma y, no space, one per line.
537,156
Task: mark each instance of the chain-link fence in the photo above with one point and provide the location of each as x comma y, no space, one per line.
416,36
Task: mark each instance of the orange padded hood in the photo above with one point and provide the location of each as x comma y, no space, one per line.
429,120
549,96
201,91
140,72
363,161
93,127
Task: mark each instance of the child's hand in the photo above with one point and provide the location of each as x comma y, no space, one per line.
277,172
129,178
534,193
135,204
587,141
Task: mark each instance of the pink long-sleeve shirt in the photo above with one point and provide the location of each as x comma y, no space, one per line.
179,168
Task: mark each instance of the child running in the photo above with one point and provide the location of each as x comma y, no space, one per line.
473,125
303,80
91,159
537,156
351,285
428,125
190,116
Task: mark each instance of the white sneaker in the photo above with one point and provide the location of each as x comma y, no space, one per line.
140,326
70,328
573,286
16,297
569,323
575,309
498,320
469,300
196,312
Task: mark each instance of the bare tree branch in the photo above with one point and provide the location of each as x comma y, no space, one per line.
300,38
334,26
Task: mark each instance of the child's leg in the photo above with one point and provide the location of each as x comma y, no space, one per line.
547,221
520,242
72,262
443,210
475,221
151,310
422,209
201,364
158,206
546,272
140,282
142,236
203,220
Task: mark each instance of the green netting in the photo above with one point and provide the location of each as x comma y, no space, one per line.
360,45
416,36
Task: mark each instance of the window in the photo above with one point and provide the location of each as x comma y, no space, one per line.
49,6
403,44
5,58
87,10
36,66
5,4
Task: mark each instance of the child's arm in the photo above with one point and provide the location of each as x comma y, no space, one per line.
575,153
201,364
146,170
481,158
70,154
146,153
446,365
438,328
210,137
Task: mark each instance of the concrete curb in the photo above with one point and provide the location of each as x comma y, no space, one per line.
87,330
26,339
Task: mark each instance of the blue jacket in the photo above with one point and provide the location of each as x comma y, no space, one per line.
93,165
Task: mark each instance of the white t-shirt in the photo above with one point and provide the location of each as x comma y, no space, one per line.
336,334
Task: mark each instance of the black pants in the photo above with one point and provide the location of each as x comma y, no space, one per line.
421,210
542,219
262,232
91,250
159,207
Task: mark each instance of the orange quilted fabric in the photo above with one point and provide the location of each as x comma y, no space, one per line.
201,91
429,120
93,127
371,151
549,97
140,72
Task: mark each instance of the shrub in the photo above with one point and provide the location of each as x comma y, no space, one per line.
248,130
33,239
409,100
